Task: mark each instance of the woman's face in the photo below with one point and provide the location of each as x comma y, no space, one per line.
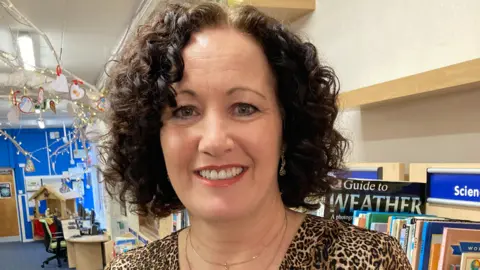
222,143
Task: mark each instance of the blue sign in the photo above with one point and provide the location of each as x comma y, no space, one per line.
456,187
371,175
466,247
133,232
143,240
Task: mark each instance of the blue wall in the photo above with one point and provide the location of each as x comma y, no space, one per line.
33,139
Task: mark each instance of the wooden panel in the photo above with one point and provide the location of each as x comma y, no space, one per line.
108,248
8,209
72,263
458,77
88,256
165,227
453,211
283,10
418,171
391,171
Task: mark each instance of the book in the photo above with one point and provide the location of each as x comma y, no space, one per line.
362,219
470,261
350,195
414,252
379,227
434,256
432,234
449,254
407,238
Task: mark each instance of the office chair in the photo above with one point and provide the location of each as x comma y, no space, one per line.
54,244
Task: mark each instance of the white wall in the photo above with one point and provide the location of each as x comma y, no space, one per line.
373,41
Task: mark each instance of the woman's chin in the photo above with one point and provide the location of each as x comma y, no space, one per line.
221,212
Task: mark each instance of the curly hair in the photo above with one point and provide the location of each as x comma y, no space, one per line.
141,89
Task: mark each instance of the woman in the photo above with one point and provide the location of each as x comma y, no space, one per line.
228,114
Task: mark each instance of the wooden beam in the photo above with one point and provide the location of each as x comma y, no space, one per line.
283,10
458,77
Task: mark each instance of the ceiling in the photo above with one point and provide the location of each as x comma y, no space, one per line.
83,33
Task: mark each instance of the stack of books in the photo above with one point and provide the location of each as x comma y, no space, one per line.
430,242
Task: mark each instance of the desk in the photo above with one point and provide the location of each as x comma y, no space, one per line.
86,252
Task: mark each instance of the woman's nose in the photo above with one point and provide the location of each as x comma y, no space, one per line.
215,140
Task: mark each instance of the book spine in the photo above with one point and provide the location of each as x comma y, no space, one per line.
443,252
405,239
421,262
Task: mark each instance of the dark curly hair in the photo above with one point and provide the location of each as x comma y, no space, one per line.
141,89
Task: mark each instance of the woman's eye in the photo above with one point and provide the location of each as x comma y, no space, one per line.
184,112
243,109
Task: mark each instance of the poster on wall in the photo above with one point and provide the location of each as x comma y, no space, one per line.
33,184
78,187
5,191
376,196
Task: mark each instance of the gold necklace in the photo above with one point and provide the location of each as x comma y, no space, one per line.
226,265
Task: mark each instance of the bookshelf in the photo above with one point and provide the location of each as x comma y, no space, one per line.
283,10
458,77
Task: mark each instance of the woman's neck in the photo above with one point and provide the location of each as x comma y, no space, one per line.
240,239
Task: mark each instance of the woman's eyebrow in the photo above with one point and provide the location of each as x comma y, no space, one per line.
244,89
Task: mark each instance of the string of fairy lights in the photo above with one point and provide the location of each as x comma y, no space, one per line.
34,90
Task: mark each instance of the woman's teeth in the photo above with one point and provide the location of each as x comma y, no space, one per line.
221,174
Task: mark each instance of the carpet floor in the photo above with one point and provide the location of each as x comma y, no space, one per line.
26,256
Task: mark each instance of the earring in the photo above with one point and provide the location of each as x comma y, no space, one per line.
282,172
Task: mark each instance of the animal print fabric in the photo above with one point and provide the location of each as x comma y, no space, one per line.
318,244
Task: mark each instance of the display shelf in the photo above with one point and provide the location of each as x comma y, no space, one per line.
453,193
390,171
459,77
283,10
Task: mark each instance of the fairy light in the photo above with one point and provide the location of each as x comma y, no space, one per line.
85,111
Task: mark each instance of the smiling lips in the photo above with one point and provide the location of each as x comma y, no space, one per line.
220,176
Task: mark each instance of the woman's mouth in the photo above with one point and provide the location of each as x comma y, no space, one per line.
221,176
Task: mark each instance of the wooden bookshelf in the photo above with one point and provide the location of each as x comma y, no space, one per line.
459,77
283,10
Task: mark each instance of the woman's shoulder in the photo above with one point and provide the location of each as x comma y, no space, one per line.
351,245
159,254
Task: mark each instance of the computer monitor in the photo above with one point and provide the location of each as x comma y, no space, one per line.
92,217
81,212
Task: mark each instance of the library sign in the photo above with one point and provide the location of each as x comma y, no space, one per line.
376,196
454,188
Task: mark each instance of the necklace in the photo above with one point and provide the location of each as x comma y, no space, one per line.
226,265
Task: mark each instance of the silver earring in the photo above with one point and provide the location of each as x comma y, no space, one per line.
282,172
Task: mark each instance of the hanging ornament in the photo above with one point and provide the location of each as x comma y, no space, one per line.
14,97
29,167
60,84
26,105
101,104
40,96
76,92
53,106
13,115
93,95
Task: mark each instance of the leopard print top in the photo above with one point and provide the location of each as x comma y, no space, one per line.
318,244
